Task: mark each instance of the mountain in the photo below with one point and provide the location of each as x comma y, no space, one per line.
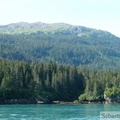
24,27
60,42
33,27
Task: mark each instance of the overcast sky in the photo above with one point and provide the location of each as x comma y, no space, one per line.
99,14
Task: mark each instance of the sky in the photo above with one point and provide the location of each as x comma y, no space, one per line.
98,14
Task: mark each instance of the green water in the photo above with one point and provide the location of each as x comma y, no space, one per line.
55,112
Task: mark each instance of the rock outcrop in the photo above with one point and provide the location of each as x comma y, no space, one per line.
110,100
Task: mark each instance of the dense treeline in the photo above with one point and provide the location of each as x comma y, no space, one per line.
20,80
99,84
94,49
23,80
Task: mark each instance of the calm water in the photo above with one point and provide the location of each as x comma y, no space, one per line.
55,112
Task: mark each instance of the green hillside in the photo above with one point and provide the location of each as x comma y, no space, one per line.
62,43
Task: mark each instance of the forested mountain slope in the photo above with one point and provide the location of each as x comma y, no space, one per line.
62,43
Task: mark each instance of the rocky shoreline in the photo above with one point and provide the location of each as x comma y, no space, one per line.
46,101
25,101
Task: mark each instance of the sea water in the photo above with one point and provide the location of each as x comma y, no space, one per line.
55,111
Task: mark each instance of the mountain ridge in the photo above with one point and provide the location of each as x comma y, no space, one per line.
62,43
25,27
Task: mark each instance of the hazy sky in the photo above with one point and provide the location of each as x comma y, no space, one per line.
99,14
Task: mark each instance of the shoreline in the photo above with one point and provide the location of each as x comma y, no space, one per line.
46,101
